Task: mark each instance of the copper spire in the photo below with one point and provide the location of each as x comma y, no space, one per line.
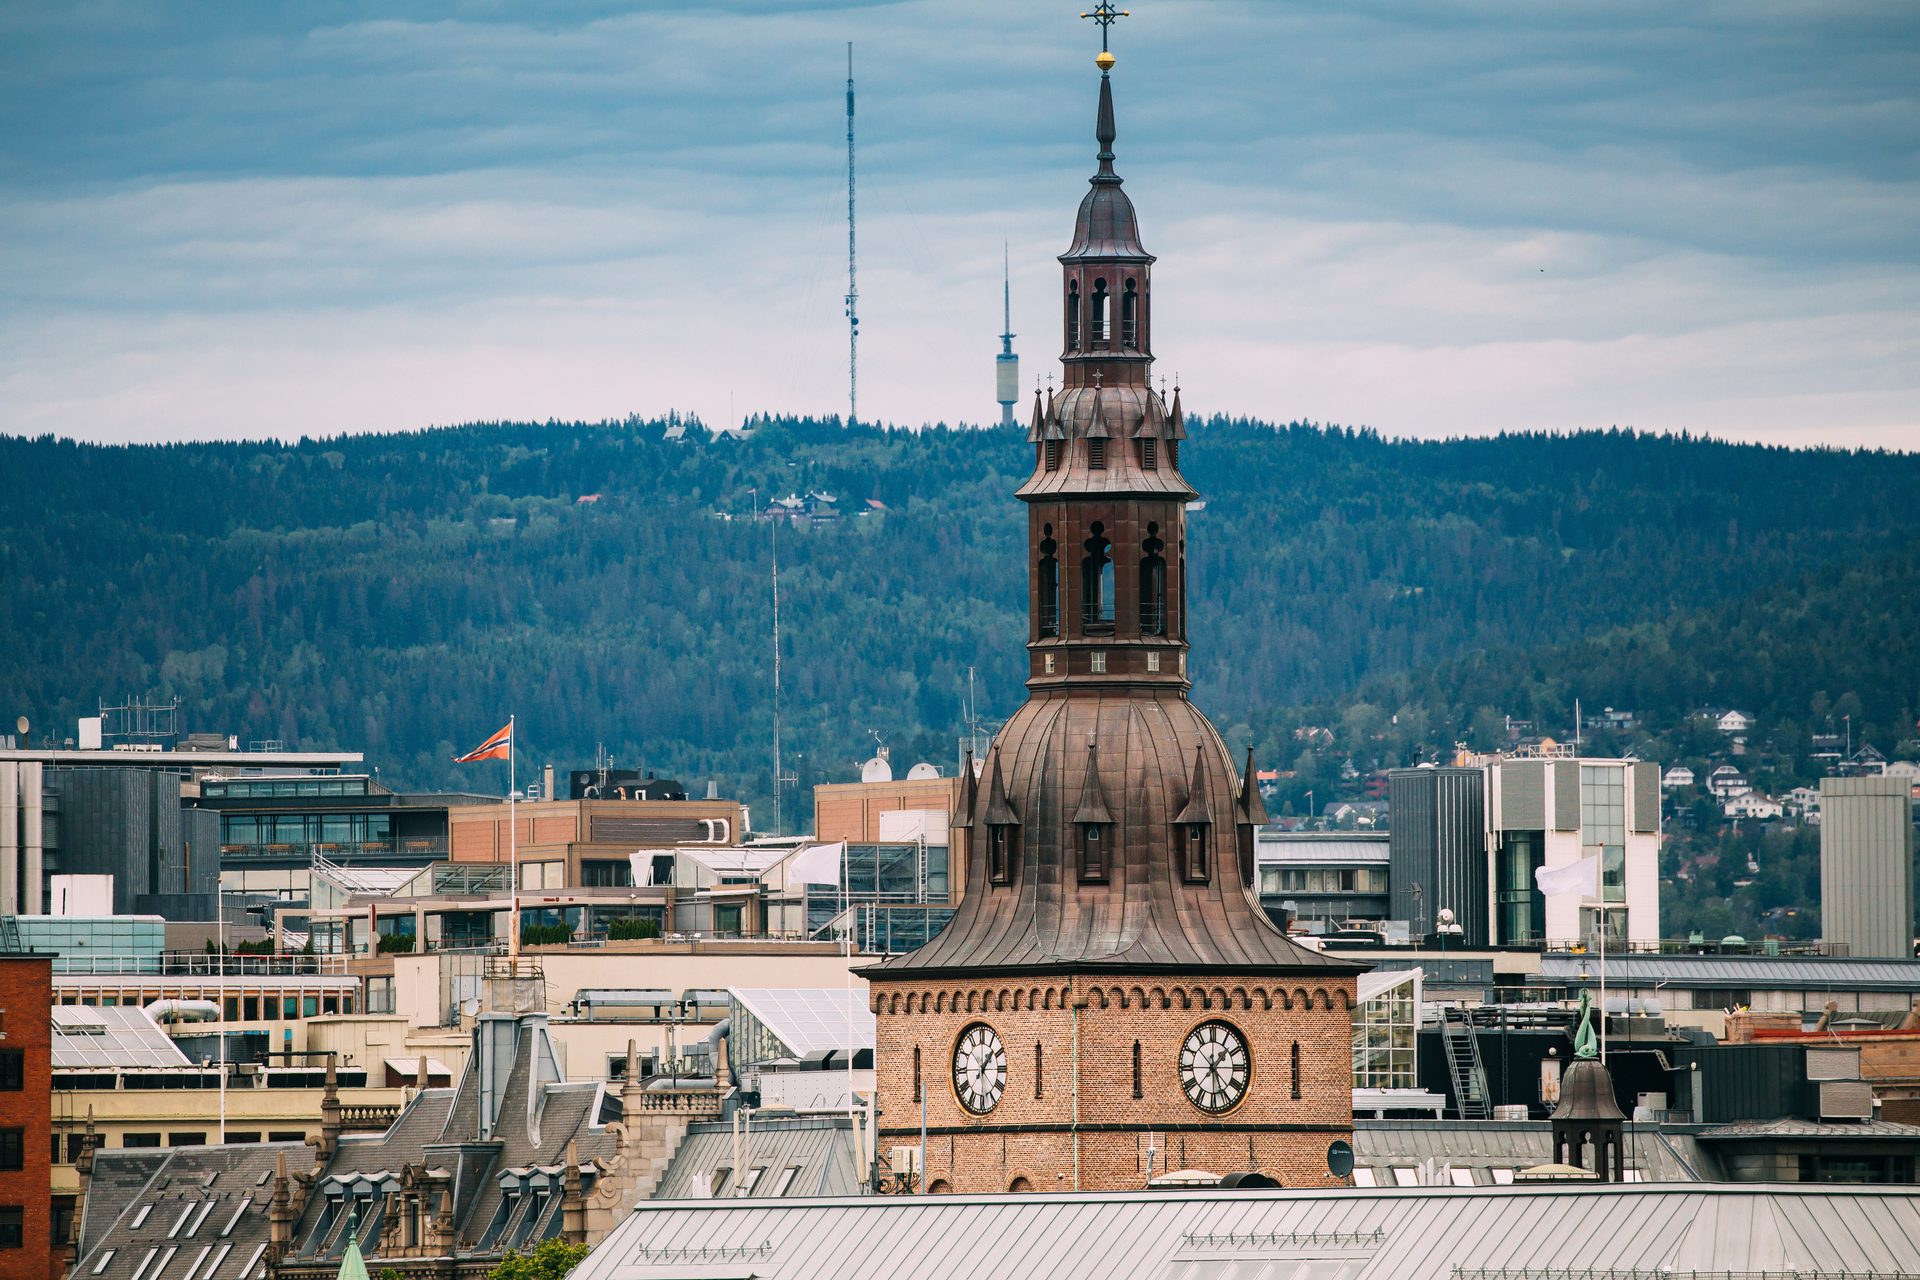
1103,130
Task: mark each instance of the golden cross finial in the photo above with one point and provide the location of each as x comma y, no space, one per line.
1104,16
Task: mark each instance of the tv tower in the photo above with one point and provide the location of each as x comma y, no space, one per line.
853,290
1006,365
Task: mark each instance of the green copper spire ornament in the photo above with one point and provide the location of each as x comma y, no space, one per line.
352,1265
1586,1044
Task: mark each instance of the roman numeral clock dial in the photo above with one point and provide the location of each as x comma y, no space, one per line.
1215,1067
979,1069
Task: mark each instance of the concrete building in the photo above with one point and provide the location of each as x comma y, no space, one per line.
1322,880
1550,812
1866,865
588,843
1438,848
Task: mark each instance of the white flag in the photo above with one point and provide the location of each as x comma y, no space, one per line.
817,864
1582,877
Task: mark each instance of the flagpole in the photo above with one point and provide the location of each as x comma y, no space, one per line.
513,846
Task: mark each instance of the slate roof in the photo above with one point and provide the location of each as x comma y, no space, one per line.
818,1148
1422,1234
184,1210
1798,1127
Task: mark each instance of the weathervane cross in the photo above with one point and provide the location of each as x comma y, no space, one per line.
1106,15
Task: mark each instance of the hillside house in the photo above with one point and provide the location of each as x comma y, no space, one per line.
1734,722
1725,782
1752,804
1677,776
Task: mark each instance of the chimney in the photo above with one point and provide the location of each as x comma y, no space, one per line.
546,783
420,1076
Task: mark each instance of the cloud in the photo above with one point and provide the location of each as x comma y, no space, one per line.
1482,217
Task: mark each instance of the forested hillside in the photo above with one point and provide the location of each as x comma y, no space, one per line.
401,594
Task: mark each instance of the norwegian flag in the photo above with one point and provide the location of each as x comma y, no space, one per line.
498,747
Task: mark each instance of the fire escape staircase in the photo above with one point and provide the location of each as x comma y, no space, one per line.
1464,1066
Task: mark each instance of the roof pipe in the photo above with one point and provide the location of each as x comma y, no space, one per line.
183,1010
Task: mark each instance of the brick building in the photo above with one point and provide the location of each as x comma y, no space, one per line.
1109,1002
27,1244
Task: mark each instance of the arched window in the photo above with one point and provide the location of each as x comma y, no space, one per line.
1296,1068
1073,316
1192,839
1093,851
1153,583
1049,616
1130,316
1001,839
1039,1074
1096,581
1136,1070
1102,319
916,1073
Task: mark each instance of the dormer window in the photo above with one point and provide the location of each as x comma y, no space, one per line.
1053,455
1096,455
1149,454
1193,850
1093,851
1002,841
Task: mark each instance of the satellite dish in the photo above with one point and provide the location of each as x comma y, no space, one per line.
1446,915
470,1007
1340,1158
923,770
876,770
21,725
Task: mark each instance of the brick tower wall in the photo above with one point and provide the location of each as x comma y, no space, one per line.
1029,1135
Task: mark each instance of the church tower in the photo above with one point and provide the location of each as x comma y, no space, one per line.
1109,1001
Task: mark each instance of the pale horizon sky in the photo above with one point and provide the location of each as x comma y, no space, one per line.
1427,219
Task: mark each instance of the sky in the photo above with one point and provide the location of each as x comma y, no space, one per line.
240,219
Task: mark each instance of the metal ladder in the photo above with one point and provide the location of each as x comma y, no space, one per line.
1464,1065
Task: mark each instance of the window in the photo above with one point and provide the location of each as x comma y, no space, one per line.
1051,452
1460,1177
1073,316
720,1177
1046,663
13,1149
916,1073
1136,1070
1364,1178
750,1180
1093,853
12,1226
13,1069
1000,850
1049,583
1603,825
286,1135
105,1258
140,1140
186,1139
76,1143
1153,583
1130,316
787,1176
1153,661
1295,1056
615,873
1149,454
238,1137
1097,662
1096,578
1173,451
1502,1177
1101,320
1191,840
1097,454
1039,1072
1404,1177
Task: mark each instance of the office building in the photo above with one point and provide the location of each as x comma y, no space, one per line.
1866,865
1322,881
29,1243
1438,847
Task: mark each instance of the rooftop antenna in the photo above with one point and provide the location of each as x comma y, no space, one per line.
1006,365
853,288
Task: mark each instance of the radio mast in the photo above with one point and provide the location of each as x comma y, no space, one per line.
1006,365
853,288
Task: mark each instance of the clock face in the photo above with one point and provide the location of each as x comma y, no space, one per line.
979,1069
1215,1067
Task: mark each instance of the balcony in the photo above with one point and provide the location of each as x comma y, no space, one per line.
339,851
1096,619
